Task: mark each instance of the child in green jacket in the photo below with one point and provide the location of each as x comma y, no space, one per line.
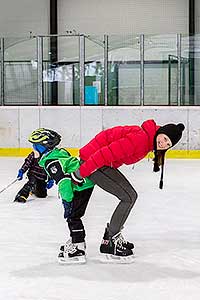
75,192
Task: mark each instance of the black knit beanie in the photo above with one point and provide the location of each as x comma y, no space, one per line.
174,132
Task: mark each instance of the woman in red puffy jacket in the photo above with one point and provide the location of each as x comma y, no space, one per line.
106,152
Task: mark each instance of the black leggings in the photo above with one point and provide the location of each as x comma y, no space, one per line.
75,224
115,183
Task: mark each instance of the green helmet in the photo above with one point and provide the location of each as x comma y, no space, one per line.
45,137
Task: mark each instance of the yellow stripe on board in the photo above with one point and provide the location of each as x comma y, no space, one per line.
23,152
190,154
184,154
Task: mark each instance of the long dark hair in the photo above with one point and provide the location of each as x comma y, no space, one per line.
159,160
159,157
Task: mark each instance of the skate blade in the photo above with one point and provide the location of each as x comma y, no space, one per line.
71,261
114,259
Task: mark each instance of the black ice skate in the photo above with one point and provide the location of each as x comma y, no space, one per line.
71,254
20,198
125,243
113,250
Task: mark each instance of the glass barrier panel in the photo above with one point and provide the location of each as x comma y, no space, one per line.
124,70
20,71
94,70
61,79
60,76
160,86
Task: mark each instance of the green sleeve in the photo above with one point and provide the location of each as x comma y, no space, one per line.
65,189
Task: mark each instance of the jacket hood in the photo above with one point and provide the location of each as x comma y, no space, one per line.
150,127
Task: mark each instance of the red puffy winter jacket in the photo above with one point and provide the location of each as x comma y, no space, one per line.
118,145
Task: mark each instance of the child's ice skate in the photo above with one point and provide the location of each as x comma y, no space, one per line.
113,250
23,195
20,198
72,253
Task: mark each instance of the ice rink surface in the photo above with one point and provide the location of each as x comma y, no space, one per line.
164,226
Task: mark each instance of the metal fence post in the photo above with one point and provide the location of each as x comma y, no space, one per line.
82,68
141,69
179,94
40,69
2,69
105,70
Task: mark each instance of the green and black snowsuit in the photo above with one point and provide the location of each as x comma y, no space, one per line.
59,165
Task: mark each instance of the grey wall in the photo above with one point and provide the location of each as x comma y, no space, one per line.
78,125
124,16
19,17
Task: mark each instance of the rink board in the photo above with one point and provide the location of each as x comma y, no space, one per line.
23,152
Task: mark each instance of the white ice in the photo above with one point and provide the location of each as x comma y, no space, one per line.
164,226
